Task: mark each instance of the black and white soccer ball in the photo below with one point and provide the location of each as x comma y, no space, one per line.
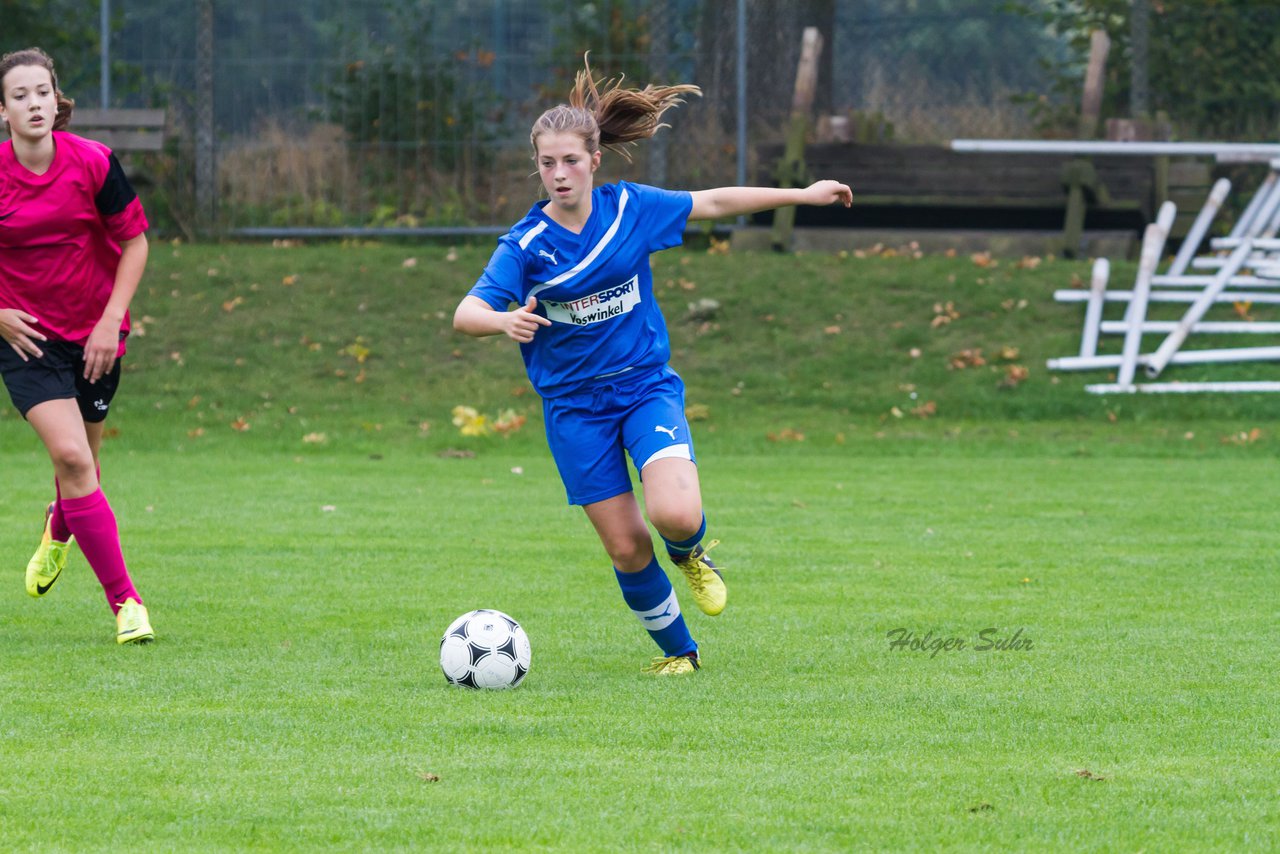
485,649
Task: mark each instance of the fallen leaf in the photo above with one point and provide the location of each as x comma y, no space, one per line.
508,421
1013,375
944,314
470,422
314,438
1243,437
927,409
697,412
785,435
409,262
1088,775
289,281
230,305
356,350
968,358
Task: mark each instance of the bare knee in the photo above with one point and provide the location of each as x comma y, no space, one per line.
72,461
631,551
676,523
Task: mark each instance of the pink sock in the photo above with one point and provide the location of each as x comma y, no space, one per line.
91,520
58,528
57,522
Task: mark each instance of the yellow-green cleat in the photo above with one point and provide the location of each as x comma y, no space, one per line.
704,579
132,624
674,665
46,565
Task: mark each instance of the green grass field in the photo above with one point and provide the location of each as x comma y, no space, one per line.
303,538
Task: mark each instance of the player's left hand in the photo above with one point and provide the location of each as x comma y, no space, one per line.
100,350
828,193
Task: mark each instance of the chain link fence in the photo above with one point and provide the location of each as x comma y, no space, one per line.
411,115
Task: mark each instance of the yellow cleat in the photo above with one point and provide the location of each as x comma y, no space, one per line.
132,624
704,579
50,559
674,665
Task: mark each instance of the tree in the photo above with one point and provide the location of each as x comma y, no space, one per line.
63,30
774,31
1212,65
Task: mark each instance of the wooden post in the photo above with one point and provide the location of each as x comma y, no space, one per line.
206,212
1076,171
1091,103
1081,182
791,169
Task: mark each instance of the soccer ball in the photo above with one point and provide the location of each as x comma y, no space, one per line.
485,649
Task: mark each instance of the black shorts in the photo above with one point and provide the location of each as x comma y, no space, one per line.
57,375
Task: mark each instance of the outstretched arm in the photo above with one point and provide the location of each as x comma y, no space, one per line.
477,318
732,201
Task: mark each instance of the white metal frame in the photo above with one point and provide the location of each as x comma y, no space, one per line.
1252,260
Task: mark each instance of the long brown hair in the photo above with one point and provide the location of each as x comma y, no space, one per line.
35,56
604,113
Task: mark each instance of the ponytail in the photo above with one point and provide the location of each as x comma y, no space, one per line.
604,113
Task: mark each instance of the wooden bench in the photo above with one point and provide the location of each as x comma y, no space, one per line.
935,186
122,131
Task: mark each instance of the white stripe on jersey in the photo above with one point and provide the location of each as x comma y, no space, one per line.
591,256
530,234
657,619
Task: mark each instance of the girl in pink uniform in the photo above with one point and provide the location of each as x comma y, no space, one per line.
72,251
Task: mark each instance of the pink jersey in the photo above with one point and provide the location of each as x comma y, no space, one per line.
60,235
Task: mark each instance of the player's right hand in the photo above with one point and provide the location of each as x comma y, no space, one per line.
522,323
21,337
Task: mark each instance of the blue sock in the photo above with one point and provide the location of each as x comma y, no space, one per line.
682,549
650,596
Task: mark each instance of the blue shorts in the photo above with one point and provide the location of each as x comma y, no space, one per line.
589,431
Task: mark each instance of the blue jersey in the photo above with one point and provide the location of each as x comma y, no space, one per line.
595,287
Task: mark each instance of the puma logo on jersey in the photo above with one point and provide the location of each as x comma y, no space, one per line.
551,255
670,431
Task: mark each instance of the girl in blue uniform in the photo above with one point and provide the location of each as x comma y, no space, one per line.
595,344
